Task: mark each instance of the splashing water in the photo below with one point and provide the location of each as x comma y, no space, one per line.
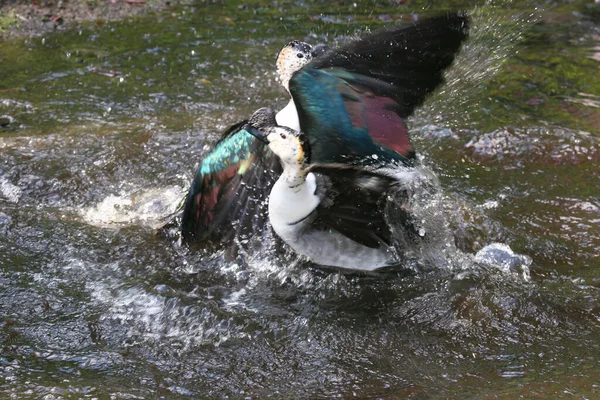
500,296
146,207
10,192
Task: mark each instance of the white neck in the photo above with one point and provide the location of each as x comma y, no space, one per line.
284,75
288,116
293,176
292,198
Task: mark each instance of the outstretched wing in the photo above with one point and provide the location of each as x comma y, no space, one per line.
353,202
228,196
352,102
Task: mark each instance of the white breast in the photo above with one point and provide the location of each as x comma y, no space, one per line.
290,215
336,250
288,205
288,116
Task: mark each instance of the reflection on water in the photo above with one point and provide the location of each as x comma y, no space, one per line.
100,131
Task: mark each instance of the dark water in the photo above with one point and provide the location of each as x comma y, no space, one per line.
102,128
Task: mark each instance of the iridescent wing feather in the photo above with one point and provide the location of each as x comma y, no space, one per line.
227,198
352,102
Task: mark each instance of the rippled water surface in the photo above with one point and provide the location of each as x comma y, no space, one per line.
100,132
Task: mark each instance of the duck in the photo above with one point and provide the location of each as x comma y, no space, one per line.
351,104
333,214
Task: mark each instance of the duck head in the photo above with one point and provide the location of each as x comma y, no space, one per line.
291,58
290,146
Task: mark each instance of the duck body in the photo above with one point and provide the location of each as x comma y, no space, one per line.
294,214
331,213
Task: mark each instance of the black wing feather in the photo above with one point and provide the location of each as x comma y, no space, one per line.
353,201
410,57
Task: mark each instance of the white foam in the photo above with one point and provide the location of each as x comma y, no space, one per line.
11,192
501,256
146,207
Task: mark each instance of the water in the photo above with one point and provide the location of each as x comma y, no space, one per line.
102,128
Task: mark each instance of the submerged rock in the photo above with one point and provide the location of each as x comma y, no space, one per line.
6,120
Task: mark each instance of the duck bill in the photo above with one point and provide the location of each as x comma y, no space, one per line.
257,133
